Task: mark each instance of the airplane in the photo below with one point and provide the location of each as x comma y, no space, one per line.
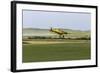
59,32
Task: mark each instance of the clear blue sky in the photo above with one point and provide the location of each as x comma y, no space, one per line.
66,20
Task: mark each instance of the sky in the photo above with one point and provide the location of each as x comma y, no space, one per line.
48,19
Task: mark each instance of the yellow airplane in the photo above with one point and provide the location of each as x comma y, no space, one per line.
59,32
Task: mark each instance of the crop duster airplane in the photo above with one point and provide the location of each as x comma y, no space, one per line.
59,32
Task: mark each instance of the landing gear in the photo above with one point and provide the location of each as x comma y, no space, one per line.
61,36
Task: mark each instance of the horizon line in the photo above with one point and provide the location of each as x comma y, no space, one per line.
55,28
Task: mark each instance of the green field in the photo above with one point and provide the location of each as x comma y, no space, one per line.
55,50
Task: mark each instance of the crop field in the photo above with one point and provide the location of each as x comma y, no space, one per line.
42,50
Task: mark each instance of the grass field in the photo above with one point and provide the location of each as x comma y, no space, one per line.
55,50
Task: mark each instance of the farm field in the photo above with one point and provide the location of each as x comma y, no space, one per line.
42,50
